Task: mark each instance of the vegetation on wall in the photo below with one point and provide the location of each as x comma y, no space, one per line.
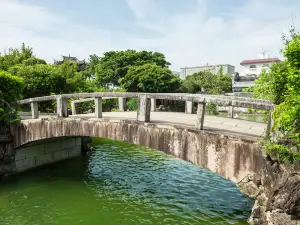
282,86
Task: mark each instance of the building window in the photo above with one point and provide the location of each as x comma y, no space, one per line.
266,65
252,66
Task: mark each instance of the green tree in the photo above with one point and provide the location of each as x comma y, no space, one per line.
10,90
115,64
33,61
272,85
15,56
150,78
41,80
208,82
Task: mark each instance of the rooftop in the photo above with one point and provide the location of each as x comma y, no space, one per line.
205,66
254,61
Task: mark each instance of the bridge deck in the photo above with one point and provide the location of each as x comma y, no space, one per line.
226,126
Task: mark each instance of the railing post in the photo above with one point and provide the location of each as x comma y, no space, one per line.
200,116
34,110
98,107
230,112
121,102
144,108
62,106
73,108
269,126
153,104
189,107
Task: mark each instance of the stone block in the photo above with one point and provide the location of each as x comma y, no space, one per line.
20,154
60,155
67,143
33,151
25,164
44,159
76,151
78,141
53,146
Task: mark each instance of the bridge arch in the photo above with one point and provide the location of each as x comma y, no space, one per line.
231,157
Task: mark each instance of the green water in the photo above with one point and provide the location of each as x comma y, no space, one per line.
121,184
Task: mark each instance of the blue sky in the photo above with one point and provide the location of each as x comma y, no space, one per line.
188,32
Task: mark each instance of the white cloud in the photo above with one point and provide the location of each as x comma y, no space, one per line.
187,38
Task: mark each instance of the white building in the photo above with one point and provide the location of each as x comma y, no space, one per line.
255,66
187,71
252,70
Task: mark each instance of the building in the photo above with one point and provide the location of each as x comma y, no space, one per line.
187,71
252,70
82,65
255,66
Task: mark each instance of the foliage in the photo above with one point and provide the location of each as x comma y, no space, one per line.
207,82
33,61
132,104
212,109
282,86
150,78
10,90
272,85
41,80
115,64
283,153
11,87
15,56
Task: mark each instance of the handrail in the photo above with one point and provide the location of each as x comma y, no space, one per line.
199,98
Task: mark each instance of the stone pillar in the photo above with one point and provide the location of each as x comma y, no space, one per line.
121,102
200,116
62,106
189,107
144,108
73,108
153,104
269,126
230,112
34,110
98,107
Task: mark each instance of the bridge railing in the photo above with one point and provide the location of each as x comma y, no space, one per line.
147,103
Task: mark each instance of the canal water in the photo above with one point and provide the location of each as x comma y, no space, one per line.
121,184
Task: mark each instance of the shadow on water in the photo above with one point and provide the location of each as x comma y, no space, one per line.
121,183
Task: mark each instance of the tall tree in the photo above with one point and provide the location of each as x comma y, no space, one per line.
115,64
150,78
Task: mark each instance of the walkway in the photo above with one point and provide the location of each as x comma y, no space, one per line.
226,126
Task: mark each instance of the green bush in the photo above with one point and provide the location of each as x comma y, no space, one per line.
10,87
212,109
132,104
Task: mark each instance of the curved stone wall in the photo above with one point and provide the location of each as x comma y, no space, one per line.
231,157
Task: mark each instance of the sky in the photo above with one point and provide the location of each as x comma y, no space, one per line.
188,32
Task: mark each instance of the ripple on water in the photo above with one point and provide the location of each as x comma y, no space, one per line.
122,184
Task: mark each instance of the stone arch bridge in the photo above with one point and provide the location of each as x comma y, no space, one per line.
225,145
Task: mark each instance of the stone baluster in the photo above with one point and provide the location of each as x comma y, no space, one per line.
62,106
230,112
189,107
121,102
98,107
144,108
34,110
153,104
269,126
73,108
200,116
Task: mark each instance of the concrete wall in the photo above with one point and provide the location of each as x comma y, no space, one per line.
46,151
231,157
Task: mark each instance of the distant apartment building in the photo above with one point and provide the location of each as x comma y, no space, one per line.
187,71
252,70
